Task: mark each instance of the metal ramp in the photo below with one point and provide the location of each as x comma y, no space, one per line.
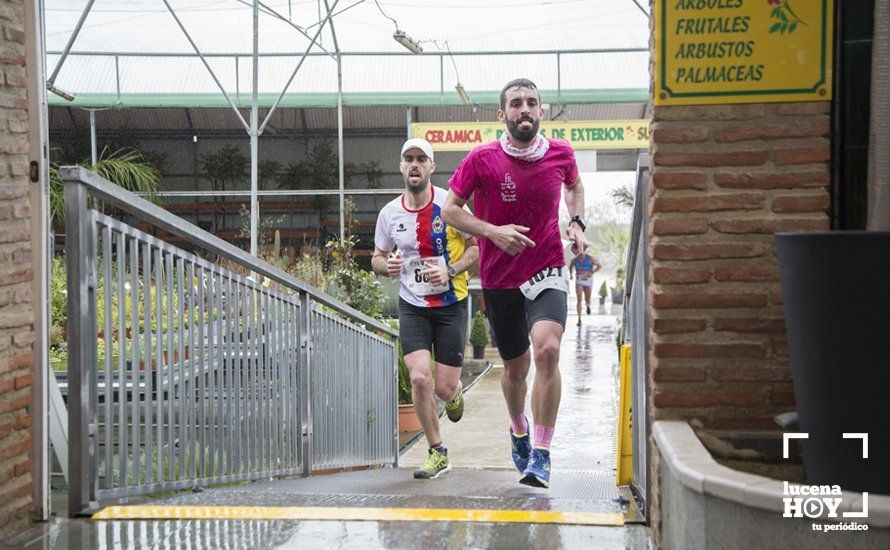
575,497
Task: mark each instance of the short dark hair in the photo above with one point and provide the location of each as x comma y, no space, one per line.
517,83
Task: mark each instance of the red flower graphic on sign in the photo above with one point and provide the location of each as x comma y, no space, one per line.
787,20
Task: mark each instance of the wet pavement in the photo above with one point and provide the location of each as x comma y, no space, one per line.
307,535
583,451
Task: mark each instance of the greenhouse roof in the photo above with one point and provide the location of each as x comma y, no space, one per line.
134,54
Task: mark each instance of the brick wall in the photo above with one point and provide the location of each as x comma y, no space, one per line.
16,273
724,179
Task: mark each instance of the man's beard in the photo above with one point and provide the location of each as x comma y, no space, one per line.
523,135
418,187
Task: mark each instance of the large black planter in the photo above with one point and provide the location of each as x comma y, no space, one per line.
836,292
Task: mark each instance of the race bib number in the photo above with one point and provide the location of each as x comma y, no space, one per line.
550,277
417,282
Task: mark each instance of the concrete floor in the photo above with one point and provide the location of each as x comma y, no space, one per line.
584,440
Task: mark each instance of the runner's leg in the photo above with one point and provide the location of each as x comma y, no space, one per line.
587,292
418,364
514,385
547,388
506,310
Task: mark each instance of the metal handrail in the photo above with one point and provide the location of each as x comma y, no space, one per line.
131,203
635,234
254,367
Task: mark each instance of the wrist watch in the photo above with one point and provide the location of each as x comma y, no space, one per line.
451,272
580,221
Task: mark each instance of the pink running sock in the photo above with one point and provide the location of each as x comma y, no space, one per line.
543,435
519,424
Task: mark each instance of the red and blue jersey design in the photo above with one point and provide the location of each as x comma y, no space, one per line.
423,233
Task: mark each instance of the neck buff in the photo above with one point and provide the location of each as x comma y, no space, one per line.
532,153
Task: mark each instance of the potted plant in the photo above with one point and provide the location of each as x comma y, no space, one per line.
603,292
618,289
478,336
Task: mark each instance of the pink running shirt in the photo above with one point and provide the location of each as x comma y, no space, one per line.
508,190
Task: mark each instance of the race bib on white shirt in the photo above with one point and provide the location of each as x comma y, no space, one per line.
417,282
549,277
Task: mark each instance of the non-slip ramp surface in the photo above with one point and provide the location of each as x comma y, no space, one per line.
575,497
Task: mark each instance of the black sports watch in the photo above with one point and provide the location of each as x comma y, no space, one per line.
580,221
451,272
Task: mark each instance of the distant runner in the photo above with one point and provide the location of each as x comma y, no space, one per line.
584,266
431,259
516,183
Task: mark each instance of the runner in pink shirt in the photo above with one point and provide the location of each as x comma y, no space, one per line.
515,184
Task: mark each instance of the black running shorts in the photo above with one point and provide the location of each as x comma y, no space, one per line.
512,316
440,330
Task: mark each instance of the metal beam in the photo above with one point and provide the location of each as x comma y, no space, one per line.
296,70
340,160
93,153
269,11
254,134
207,65
277,192
646,13
52,78
487,53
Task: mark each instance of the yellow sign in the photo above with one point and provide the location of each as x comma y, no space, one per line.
742,51
582,134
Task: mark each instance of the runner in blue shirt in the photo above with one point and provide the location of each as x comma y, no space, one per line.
585,266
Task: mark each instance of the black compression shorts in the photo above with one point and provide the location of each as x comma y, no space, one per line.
512,315
440,330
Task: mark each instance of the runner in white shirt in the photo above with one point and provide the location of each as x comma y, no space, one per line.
431,259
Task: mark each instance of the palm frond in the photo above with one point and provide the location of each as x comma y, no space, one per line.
127,168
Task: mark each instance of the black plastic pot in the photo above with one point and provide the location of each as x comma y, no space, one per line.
836,292
478,352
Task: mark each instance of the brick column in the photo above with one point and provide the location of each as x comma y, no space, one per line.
724,178
16,274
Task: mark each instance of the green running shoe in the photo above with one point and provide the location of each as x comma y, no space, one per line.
436,464
454,408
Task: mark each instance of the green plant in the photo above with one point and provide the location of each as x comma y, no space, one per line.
478,334
348,282
127,168
405,397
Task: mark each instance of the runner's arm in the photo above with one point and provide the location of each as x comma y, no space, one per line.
438,275
572,269
383,265
508,238
575,204
471,254
596,264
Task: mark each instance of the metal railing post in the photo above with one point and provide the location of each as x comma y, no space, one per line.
305,380
81,352
395,412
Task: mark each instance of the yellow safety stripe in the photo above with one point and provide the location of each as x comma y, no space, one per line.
357,514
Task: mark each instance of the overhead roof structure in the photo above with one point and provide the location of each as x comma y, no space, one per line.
134,54
215,53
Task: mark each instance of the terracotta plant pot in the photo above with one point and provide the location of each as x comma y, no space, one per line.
408,421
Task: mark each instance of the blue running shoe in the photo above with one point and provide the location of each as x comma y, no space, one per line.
520,449
537,474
